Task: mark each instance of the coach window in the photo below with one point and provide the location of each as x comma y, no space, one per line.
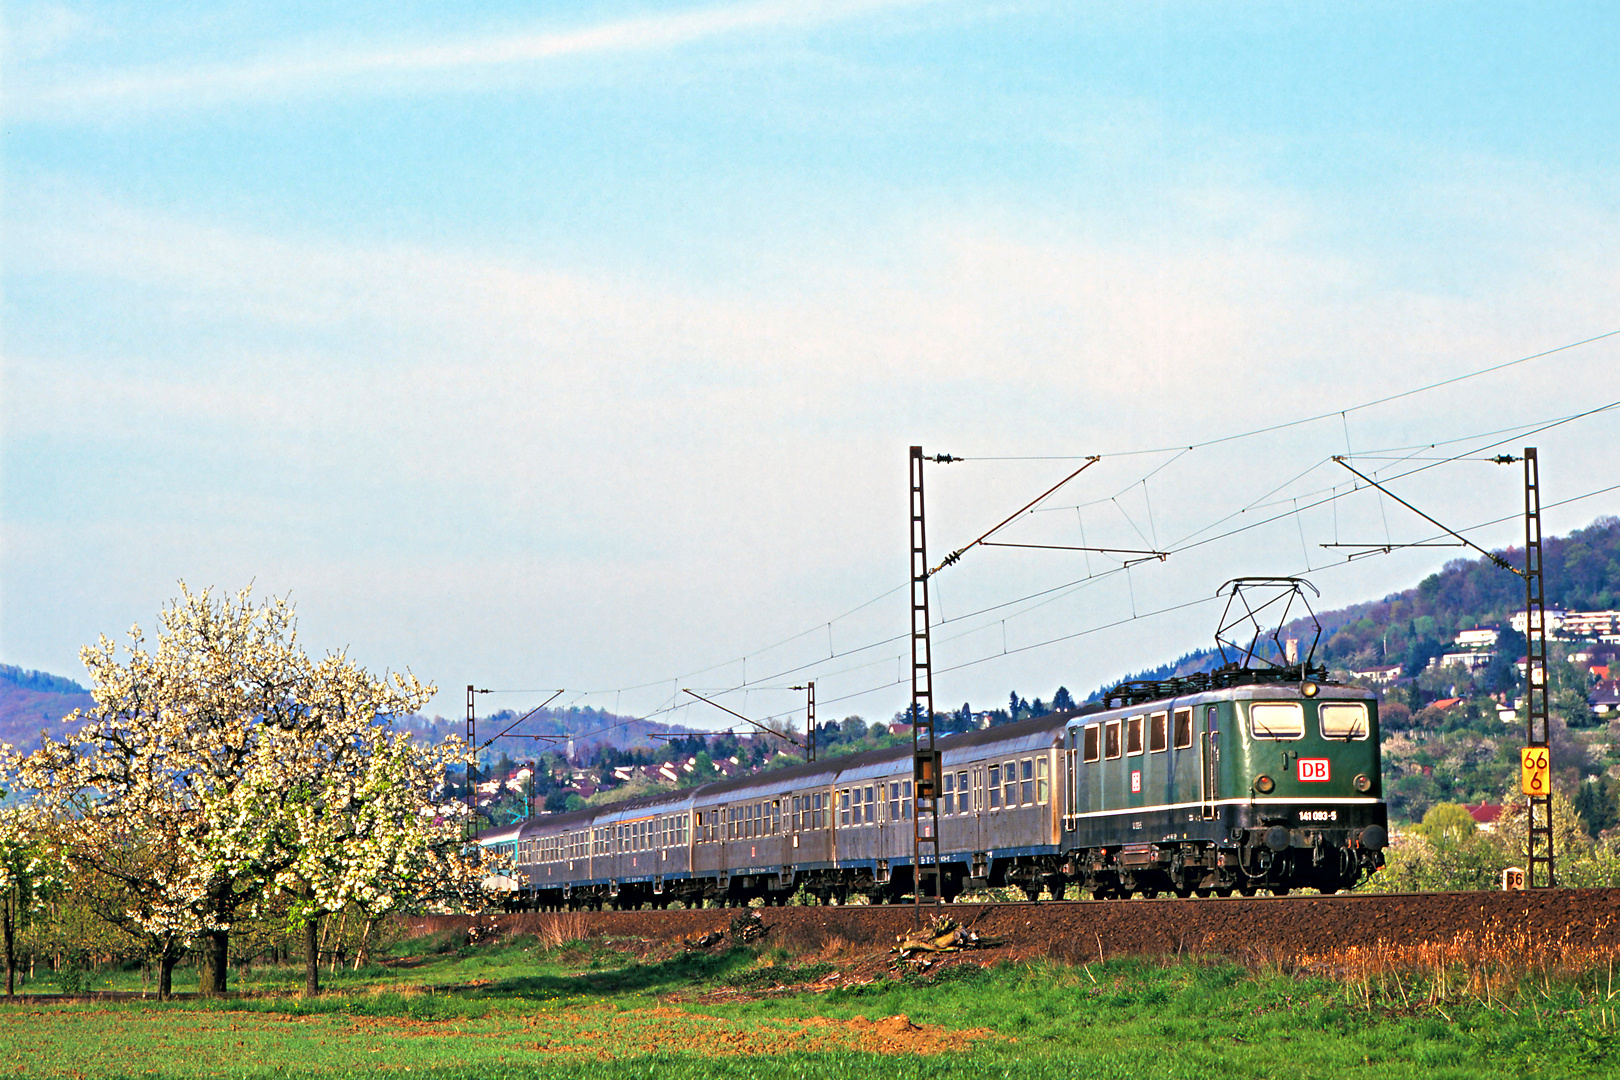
894,800
994,787
947,790
1042,784
1026,781
843,807
776,817
1183,728
1111,739
905,800
961,793
1158,733
1133,735
871,811
1277,720
1093,741
1009,784
1343,720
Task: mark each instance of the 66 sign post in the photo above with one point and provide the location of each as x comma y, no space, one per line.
1534,766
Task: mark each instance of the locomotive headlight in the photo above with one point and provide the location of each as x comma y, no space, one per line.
1309,689
1264,784
1363,784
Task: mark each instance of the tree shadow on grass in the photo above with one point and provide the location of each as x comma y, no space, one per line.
678,971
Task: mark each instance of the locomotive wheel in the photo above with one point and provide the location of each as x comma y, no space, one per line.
1279,890
1203,894
1246,889
1184,891
1223,892
1150,894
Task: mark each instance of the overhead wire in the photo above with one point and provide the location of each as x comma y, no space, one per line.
1177,452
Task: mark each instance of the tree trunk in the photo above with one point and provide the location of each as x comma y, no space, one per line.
11,953
212,962
312,955
362,955
166,960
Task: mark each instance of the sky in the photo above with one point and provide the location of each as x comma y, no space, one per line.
580,346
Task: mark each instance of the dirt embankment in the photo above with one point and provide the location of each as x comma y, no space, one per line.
1268,928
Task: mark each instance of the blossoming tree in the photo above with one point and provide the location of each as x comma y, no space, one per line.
192,785
28,867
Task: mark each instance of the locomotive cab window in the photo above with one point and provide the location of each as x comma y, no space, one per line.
1093,742
1133,735
1111,739
1277,720
1183,728
1343,720
1158,733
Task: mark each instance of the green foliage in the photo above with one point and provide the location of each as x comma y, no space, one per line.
1447,822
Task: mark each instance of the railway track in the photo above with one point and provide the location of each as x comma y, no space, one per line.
1282,928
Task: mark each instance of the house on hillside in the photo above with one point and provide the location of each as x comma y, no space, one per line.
1485,815
1378,676
1555,620
1600,625
1470,659
1480,637
1605,698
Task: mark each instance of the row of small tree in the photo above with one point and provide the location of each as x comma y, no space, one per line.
1448,851
221,769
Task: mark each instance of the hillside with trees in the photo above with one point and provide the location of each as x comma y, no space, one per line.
35,701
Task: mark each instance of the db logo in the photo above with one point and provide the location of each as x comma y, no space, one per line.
1313,768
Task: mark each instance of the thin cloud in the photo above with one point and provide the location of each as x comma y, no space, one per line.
289,75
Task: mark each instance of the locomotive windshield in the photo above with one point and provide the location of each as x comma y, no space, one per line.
1277,720
1344,720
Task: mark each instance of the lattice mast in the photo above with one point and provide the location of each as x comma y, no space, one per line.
1540,840
472,763
925,757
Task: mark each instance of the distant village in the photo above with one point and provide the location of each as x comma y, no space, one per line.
1593,645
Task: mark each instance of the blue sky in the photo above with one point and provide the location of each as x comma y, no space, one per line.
580,346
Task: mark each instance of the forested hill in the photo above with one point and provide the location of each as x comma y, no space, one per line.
35,701
1582,573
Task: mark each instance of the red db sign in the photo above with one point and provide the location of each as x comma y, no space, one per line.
1313,768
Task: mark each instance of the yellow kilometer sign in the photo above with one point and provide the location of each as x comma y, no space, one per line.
1533,763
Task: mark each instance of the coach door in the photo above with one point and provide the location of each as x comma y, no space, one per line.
1209,756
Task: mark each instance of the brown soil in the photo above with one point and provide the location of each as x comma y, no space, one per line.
1271,929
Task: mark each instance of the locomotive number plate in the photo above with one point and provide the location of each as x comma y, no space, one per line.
1313,768
1318,815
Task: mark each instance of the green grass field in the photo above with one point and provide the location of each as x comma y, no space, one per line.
587,1010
